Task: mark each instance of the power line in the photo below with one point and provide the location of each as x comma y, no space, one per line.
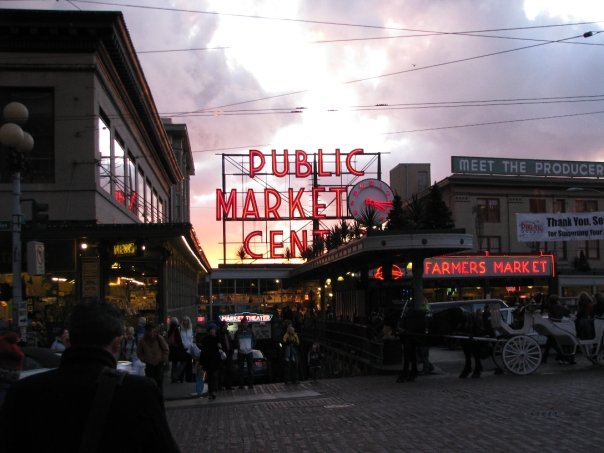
318,22
490,123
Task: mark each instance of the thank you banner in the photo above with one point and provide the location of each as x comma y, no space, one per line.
565,226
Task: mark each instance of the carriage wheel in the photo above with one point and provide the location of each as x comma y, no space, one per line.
521,355
497,354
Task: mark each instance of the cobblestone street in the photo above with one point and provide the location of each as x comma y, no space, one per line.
557,409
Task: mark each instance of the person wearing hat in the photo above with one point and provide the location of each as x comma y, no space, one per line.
11,362
244,342
210,358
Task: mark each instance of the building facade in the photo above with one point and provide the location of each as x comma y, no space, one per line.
485,203
114,175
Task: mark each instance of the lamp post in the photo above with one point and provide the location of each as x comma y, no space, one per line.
16,142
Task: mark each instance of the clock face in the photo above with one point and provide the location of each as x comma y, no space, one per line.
370,194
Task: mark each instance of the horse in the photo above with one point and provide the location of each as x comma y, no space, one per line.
418,326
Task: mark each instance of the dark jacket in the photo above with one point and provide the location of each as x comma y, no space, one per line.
48,412
210,353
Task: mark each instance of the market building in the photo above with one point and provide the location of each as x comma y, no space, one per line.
487,196
105,191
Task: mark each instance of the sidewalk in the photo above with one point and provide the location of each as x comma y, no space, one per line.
448,365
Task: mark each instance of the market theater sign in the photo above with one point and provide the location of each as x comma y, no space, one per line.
278,188
489,266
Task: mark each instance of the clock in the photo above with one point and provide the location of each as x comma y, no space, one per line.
370,194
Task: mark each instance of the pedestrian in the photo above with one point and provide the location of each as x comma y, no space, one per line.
225,373
129,345
153,351
291,343
61,341
94,407
140,327
11,362
314,361
187,336
178,354
210,359
244,342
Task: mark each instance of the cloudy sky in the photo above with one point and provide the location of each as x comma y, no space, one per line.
416,80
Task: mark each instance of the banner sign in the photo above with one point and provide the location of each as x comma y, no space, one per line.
526,167
566,226
489,266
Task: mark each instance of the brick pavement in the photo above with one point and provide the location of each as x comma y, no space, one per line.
559,408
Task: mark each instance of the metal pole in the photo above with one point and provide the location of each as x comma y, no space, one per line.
19,310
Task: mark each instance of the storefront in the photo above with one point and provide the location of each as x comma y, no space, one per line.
153,270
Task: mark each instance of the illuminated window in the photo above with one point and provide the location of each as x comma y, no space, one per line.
141,200
119,157
105,152
487,210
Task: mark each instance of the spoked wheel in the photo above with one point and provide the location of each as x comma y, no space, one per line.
521,355
497,354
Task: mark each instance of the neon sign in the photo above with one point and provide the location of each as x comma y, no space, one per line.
489,266
290,193
251,317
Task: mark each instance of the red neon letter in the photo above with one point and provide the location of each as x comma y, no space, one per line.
250,207
296,244
225,207
275,244
294,203
285,170
320,171
351,169
254,153
338,191
302,163
315,203
272,209
246,245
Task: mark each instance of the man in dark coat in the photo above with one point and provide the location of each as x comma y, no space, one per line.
49,412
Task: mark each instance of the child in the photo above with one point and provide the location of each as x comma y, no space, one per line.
314,361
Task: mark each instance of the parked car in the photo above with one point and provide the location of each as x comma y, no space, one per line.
475,305
37,360
262,368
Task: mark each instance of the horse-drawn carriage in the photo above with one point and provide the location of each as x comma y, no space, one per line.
518,351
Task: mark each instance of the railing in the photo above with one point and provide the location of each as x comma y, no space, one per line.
354,341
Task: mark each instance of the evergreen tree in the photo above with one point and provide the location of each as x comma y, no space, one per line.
397,219
436,214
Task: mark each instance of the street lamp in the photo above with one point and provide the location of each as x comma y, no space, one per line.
16,141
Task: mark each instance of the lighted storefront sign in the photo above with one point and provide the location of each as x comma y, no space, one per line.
251,317
286,195
489,266
124,249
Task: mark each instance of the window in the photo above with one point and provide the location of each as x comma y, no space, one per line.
487,210
119,157
559,247
148,209
586,205
154,211
141,200
160,209
105,152
131,195
490,244
537,205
